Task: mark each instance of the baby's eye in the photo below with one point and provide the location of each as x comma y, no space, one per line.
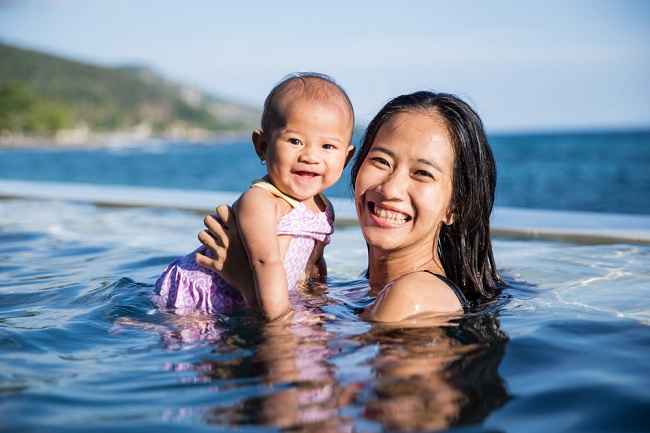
328,146
295,141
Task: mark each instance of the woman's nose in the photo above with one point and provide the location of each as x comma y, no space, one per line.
394,185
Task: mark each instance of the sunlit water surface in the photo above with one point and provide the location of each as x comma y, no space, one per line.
83,349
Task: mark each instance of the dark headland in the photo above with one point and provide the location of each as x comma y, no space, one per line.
50,100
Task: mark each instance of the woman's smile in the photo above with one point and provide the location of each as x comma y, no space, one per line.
385,216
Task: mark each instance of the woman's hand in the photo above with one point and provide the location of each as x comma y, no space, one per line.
228,256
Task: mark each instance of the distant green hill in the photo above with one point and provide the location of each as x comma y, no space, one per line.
41,94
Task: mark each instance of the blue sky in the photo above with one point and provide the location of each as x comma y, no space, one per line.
522,65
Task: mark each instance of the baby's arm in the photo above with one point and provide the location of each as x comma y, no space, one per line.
257,216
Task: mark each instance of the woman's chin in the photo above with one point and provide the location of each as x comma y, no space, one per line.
382,238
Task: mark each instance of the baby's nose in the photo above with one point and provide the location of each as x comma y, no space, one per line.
308,156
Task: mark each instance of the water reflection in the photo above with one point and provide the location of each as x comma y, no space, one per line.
433,378
290,375
298,387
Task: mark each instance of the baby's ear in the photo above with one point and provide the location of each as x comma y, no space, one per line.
259,142
350,154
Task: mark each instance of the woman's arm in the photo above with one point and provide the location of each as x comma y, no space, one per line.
317,268
414,294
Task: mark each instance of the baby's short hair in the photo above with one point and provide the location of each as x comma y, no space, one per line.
314,85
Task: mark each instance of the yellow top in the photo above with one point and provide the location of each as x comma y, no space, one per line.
261,183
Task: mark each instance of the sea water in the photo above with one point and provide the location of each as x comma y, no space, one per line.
592,171
83,349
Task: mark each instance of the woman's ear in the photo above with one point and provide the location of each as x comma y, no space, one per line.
348,158
260,143
449,218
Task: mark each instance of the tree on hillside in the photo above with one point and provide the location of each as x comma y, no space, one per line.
21,111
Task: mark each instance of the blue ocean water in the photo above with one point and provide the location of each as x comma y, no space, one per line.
591,171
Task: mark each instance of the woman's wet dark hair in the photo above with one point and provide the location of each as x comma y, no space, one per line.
464,247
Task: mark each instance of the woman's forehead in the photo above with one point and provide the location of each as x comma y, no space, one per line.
416,134
429,121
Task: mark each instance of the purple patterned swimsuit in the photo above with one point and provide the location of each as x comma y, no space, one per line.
187,287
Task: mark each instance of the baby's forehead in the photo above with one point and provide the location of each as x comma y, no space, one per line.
300,113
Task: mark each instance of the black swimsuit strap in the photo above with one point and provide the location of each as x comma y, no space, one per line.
454,288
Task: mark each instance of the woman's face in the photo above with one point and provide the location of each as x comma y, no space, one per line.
404,185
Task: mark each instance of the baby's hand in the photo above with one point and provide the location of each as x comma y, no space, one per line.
228,256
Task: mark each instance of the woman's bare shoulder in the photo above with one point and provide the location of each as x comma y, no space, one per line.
413,294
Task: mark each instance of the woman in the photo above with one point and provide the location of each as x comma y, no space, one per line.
424,183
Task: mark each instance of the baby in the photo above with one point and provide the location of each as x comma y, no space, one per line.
284,219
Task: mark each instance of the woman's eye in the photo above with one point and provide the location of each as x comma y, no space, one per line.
378,160
295,141
424,173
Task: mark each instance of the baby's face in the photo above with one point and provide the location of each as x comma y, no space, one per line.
308,154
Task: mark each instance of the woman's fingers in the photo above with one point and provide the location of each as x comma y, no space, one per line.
209,262
216,231
229,223
224,215
216,260
207,240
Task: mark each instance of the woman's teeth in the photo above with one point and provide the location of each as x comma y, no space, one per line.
388,215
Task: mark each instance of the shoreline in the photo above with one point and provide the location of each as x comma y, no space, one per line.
116,139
